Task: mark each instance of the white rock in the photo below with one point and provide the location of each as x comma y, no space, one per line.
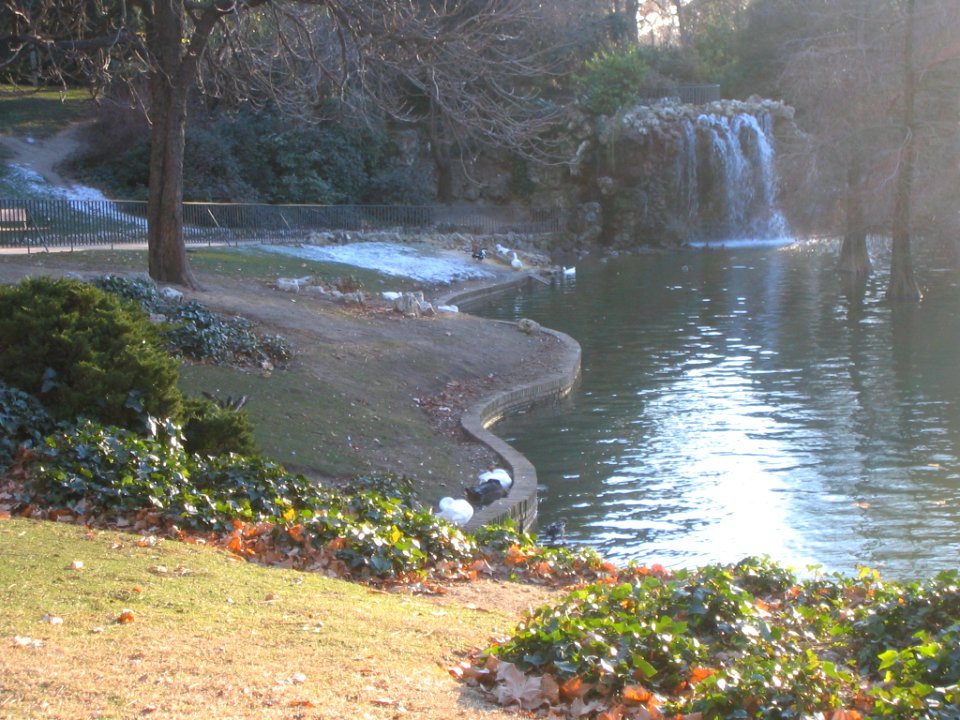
448,308
169,293
288,285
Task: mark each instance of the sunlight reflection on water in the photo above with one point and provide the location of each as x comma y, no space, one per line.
744,401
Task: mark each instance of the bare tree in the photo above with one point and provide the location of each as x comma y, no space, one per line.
903,283
864,90
466,56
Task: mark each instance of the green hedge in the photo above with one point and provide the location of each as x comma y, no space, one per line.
83,353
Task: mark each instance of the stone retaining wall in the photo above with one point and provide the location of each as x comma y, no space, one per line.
521,503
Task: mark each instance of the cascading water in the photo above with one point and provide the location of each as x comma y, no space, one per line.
730,177
667,174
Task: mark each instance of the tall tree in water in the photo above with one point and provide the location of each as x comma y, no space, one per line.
903,282
466,53
870,97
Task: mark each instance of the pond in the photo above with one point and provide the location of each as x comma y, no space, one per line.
745,400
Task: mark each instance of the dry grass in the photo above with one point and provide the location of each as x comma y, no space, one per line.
213,637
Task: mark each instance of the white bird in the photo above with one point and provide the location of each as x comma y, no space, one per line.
515,262
498,474
501,250
569,271
390,295
458,512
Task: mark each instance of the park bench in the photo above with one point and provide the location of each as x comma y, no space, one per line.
15,221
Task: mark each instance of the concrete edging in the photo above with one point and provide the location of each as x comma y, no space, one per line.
521,503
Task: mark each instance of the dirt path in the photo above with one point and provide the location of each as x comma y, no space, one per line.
44,156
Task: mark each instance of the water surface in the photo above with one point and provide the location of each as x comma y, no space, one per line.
746,401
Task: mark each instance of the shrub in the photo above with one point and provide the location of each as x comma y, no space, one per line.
194,331
210,429
23,420
609,81
92,469
85,354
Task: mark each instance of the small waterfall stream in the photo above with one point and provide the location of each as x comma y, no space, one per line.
731,177
674,174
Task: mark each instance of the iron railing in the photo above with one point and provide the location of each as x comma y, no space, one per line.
80,223
689,94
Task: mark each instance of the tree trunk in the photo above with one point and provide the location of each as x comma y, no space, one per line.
854,258
166,248
171,77
903,283
442,162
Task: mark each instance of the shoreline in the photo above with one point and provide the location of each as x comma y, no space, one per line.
521,503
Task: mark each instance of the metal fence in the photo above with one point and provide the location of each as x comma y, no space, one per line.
79,223
690,94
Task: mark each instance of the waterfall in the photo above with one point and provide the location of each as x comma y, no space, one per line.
728,178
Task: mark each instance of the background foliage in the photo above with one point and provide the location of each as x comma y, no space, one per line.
259,157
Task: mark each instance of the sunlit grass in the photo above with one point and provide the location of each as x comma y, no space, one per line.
40,113
211,636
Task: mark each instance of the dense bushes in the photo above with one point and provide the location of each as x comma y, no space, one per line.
752,641
83,353
23,421
609,81
247,157
71,350
93,470
211,430
193,331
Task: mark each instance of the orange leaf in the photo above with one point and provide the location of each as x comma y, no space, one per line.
636,694
699,674
614,713
574,688
845,715
236,543
515,556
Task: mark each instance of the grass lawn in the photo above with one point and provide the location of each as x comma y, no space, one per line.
211,636
300,420
40,113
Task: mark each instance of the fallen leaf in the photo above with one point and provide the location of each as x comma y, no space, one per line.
574,688
515,556
550,689
614,713
636,694
578,708
518,688
53,619
24,641
298,678
301,703
843,714
699,674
